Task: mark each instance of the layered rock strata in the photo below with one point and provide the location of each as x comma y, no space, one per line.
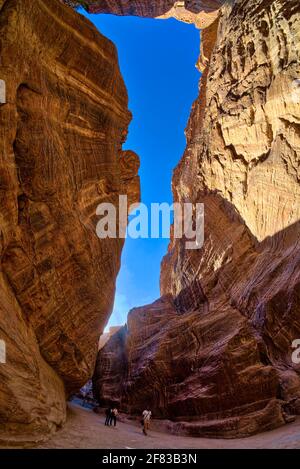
201,12
149,8
62,128
214,354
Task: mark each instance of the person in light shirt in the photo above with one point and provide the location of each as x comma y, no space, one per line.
146,420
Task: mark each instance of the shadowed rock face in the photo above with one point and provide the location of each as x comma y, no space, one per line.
112,370
199,12
214,353
146,8
62,130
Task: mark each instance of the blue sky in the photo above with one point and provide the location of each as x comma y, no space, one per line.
157,59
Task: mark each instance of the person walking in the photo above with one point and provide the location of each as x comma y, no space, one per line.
108,416
146,420
113,417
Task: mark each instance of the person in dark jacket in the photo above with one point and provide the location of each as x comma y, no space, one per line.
108,414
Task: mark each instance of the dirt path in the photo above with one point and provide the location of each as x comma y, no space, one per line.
85,429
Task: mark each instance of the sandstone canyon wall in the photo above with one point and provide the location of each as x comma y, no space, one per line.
200,12
214,353
62,129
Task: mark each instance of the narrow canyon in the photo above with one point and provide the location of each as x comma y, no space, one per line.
213,355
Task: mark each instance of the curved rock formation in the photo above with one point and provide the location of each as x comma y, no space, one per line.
112,370
62,129
214,354
200,12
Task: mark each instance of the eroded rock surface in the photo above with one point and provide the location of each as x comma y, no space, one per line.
108,384
62,130
200,12
214,354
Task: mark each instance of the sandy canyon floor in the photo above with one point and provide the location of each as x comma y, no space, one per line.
85,429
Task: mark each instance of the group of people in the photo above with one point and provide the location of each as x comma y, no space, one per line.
111,414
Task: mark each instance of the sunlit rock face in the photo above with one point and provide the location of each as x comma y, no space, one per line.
215,357
62,130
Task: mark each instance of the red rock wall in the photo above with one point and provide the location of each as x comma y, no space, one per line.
112,370
200,12
62,130
148,8
215,357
